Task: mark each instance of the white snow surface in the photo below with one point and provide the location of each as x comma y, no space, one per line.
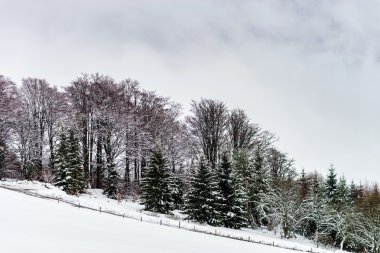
30,224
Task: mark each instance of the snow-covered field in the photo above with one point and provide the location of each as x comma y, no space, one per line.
30,224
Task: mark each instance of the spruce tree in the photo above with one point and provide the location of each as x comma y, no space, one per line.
354,193
303,185
241,166
156,185
342,194
69,172
201,198
331,185
76,172
258,186
319,214
61,173
111,183
231,200
177,193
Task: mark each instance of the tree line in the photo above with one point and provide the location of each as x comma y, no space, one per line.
215,165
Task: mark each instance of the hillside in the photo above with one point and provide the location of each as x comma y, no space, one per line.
39,225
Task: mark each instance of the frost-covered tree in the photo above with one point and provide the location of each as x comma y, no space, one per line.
68,173
367,232
303,185
202,197
157,183
232,196
344,225
258,187
285,210
61,162
32,125
280,166
342,194
178,193
111,183
75,164
320,217
331,185
8,114
80,97
208,124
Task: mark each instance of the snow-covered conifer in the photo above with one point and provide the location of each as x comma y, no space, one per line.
156,184
202,196
231,195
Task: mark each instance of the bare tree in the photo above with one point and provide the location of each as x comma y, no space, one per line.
242,133
8,108
32,125
208,124
81,101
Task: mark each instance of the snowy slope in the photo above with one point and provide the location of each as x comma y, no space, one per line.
29,224
30,209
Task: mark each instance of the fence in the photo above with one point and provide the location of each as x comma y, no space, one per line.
194,228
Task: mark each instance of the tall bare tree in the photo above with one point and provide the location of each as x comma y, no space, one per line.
8,108
208,123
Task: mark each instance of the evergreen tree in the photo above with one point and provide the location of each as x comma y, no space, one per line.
353,192
241,166
111,183
202,196
69,172
331,185
342,193
320,217
303,185
74,162
61,173
258,186
231,201
156,185
177,193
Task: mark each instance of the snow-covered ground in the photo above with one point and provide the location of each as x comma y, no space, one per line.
39,225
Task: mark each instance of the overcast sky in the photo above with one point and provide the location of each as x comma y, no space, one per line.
307,70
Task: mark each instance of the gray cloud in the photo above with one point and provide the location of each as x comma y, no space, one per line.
307,70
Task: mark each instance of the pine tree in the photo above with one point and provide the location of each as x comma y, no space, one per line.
201,197
156,184
231,201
